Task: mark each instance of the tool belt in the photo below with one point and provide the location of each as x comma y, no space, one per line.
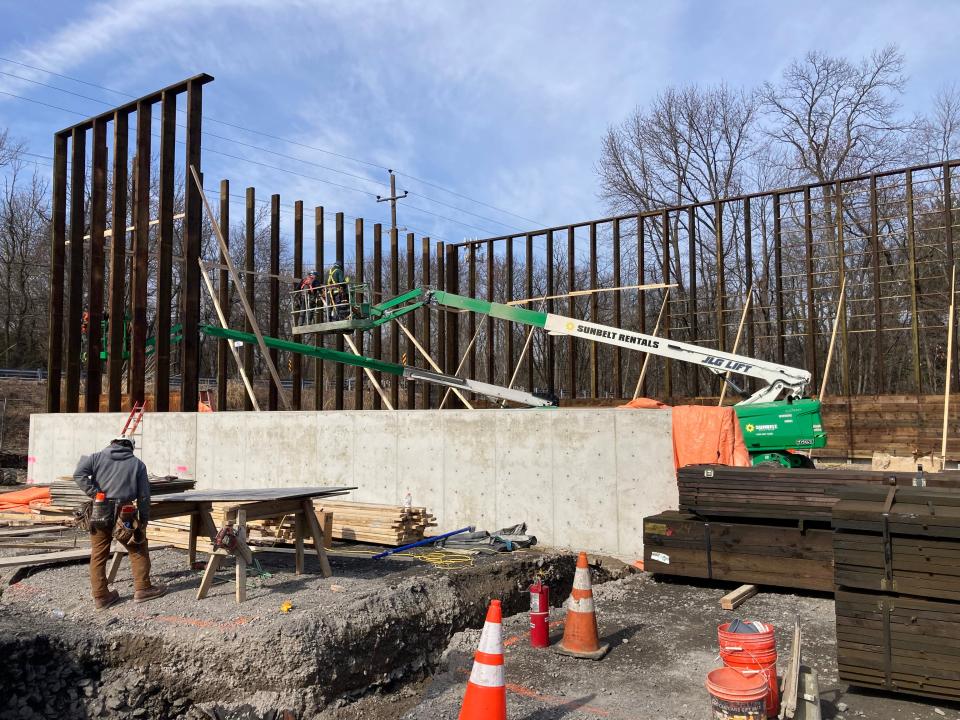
126,528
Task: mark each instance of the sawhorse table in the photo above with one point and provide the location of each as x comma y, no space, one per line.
244,506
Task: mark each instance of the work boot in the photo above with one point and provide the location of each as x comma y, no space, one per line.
154,591
107,600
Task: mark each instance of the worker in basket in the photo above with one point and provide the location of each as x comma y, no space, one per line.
117,482
337,293
309,298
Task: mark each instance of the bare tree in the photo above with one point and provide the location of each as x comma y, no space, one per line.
937,136
839,118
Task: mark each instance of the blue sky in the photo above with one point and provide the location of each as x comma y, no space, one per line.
504,103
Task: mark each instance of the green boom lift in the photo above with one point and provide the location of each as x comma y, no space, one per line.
776,420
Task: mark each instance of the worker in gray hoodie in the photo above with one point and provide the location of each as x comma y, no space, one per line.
122,477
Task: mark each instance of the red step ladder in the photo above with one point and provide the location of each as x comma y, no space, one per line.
133,420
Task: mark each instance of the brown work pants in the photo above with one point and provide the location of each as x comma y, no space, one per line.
100,541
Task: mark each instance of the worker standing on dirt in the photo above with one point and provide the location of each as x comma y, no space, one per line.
120,476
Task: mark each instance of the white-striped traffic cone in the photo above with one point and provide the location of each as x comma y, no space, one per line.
580,637
486,696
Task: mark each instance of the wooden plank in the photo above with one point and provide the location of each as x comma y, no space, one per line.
45,558
733,600
213,564
241,557
317,533
298,540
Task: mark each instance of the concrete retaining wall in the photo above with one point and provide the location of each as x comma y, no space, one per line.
578,478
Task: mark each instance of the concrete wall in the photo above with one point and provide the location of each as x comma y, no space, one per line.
578,478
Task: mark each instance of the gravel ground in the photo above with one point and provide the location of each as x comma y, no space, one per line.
663,637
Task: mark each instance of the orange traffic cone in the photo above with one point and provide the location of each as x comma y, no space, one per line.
486,696
580,630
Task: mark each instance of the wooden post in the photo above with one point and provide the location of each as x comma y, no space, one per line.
58,239
98,221
378,297
168,143
78,144
833,338
551,349
318,339
274,285
411,400
358,254
946,392
297,358
192,226
594,313
224,299
572,312
736,341
338,373
118,263
249,281
656,329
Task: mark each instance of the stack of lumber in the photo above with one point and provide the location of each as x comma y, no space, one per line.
780,493
381,524
390,525
898,589
681,544
66,496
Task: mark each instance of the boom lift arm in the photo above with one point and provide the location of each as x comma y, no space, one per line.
781,380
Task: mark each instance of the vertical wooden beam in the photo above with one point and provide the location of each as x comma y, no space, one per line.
667,365
250,284
617,312
141,248
338,369
572,312
192,240
778,274
168,139
297,388
378,297
508,327
452,285
912,263
273,398
472,317
641,295
948,236
427,391
58,240
441,322
223,295
528,288
490,330
394,330
318,339
748,271
411,322
594,314
78,143
811,307
98,224
118,264
842,275
692,294
358,255
551,378
877,302
721,279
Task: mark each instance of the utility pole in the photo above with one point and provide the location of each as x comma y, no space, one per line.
393,200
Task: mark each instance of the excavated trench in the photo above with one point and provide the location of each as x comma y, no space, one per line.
373,636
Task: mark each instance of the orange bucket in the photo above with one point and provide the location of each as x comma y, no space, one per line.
753,654
737,697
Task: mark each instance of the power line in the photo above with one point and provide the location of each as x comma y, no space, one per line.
303,145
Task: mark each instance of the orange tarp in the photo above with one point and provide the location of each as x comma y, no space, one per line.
21,500
703,435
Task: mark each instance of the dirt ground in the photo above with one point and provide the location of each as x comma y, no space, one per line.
388,640
663,638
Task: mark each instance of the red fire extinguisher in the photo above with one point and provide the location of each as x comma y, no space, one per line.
539,615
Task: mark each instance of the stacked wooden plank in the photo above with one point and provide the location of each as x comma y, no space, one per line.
381,524
677,543
898,589
342,520
780,493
